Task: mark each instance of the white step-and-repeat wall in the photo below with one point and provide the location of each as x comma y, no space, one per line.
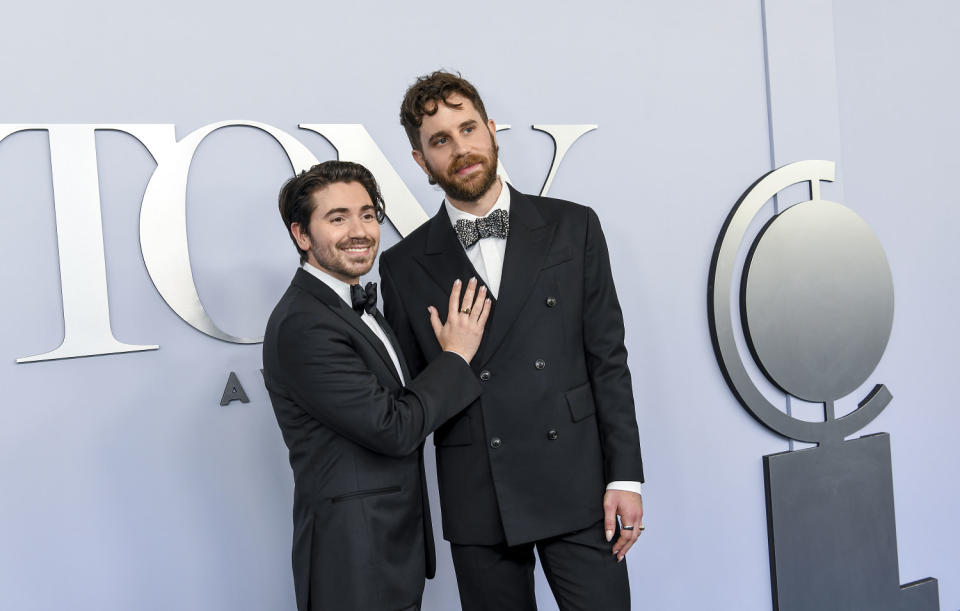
125,486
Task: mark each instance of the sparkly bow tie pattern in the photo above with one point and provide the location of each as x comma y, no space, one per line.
496,225
364,298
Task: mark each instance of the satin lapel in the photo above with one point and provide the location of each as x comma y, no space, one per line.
326,295
393,341
527,245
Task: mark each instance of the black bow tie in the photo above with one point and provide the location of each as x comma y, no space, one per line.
364,298
496,225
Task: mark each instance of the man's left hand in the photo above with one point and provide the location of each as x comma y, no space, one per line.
629,506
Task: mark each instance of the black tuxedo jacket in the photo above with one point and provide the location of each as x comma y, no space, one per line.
555,423
362,537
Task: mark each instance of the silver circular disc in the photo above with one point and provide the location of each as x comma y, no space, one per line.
817,296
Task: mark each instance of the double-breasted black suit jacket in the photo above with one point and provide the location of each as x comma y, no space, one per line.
531,458
362,537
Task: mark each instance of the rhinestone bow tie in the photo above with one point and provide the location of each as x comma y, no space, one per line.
496,225
364,298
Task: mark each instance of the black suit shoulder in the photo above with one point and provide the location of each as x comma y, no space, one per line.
548,202
296,311
409,245
559,210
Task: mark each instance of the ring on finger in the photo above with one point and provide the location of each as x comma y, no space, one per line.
625,527
465,310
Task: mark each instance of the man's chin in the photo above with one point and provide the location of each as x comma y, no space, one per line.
469,192
471,188
349,269
365,267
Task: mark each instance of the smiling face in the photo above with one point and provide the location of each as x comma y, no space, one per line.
460,154
343,234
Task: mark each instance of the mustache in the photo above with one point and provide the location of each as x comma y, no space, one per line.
356,242
466,161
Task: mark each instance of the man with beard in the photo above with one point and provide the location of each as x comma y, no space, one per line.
335,373
549,456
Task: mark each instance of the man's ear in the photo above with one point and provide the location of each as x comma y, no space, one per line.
301,237
493,131
418,157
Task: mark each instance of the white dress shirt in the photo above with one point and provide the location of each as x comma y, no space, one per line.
486,255
342,289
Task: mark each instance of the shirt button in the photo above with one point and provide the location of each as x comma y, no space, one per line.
495,443
484,375
540,364
552,434
551,302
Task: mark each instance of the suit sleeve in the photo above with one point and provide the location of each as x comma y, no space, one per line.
607,361
399,320
328,379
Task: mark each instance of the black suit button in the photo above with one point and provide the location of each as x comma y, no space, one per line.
495,443
484,375
551,302
540,364
552,434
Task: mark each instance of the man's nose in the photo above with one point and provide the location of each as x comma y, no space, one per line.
356,228
459,146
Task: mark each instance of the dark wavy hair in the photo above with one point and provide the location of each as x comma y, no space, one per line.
296,202
424,98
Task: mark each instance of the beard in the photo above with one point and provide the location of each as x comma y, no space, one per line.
333,259
469,188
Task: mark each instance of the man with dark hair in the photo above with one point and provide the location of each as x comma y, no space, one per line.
362,537
549,456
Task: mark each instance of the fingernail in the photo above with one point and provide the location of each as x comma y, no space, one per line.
456,282
609,535
483,289
619,559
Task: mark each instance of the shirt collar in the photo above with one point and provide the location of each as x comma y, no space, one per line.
502,203
341,288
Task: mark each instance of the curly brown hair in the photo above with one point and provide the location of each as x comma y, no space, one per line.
424,97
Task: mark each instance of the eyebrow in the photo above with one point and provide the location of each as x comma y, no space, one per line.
347,210
443,132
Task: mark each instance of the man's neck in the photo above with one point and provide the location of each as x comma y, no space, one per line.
483,204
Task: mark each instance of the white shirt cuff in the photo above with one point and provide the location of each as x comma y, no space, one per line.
625,486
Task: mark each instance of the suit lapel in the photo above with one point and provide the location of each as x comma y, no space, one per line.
527,245
325,294
443,257
393,341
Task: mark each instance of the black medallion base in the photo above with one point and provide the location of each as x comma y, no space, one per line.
832,532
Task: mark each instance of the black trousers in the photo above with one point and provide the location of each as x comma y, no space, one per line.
582,572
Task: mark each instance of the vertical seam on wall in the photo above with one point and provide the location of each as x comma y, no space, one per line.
836,85
766,78
770,139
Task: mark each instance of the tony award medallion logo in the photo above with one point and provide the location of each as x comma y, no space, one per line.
814,303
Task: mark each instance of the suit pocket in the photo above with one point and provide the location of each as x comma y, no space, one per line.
580,400
359,494
454,433
557,256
